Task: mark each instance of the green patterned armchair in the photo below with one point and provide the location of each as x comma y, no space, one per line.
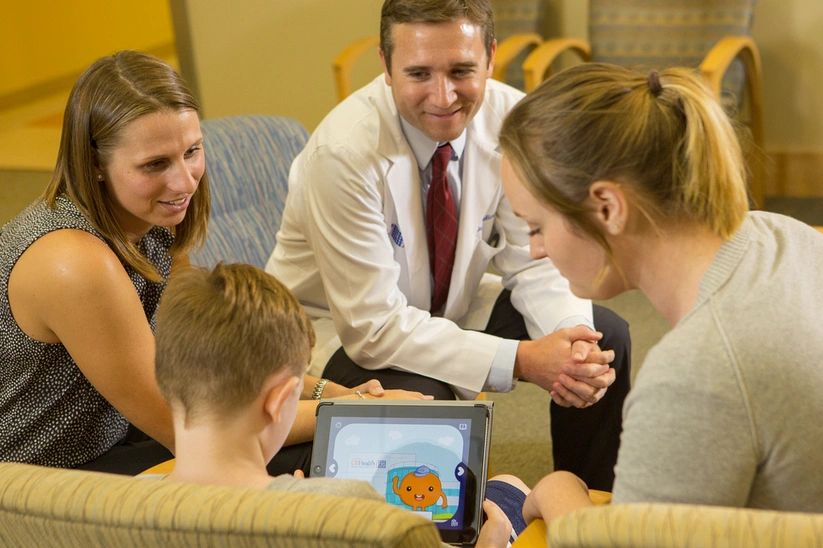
518,27
711,35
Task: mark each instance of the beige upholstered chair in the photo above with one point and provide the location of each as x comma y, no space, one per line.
676,525
711,35
52,507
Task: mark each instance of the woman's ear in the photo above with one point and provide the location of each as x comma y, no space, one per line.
278,395
610,206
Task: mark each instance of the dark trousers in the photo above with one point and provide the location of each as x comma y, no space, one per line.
584,441
133,454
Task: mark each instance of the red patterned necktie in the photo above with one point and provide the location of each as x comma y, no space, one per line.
441,226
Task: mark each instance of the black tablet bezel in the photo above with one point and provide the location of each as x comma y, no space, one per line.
480,414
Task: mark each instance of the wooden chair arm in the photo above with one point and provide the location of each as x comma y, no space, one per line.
533,536
720,57
342,64
714,67
509,48
600,498
164,467
539,60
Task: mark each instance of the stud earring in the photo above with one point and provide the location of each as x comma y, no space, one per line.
100,177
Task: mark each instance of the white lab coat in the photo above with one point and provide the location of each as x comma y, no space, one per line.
352,246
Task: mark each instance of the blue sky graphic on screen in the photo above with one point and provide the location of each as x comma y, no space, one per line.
419,465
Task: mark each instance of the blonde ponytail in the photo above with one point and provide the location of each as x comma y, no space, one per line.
663,135
713,182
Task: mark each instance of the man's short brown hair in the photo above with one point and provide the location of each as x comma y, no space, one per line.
478,12
222,333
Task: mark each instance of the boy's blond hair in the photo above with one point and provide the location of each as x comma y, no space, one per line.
222,333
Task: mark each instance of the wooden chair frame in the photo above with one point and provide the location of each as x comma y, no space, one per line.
345,60
509,48
716,63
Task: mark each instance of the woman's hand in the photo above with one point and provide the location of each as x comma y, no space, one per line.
370,390
388,395
371,387
399,395
304,423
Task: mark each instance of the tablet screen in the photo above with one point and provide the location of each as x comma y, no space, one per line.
429,459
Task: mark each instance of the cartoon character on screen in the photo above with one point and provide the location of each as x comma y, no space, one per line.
419,489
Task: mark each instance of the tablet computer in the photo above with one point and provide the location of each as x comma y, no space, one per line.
428,457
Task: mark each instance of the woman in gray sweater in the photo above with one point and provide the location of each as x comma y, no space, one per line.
633,181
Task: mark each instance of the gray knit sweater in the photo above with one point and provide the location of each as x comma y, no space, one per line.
727,407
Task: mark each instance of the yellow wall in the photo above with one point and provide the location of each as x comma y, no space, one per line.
790,36
42,40
266,57
274,57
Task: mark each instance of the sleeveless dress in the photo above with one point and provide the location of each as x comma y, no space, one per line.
49,413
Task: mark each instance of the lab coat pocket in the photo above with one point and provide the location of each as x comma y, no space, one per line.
484,252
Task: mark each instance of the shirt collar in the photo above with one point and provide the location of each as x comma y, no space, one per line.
423,147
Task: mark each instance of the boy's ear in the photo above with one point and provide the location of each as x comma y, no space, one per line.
277,396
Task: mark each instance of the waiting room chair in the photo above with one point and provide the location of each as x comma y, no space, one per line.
47,507
711,35
509,49
519,26
659,525
247,161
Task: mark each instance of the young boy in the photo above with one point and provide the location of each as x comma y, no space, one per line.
232,347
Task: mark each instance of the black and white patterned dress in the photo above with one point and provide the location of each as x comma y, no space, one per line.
49,413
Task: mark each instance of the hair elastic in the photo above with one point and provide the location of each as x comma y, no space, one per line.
654,83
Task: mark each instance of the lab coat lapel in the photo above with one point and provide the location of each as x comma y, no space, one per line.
481,158
406,207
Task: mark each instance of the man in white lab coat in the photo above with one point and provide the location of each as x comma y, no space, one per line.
355,245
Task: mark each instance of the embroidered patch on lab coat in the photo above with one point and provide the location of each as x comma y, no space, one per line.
396,235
